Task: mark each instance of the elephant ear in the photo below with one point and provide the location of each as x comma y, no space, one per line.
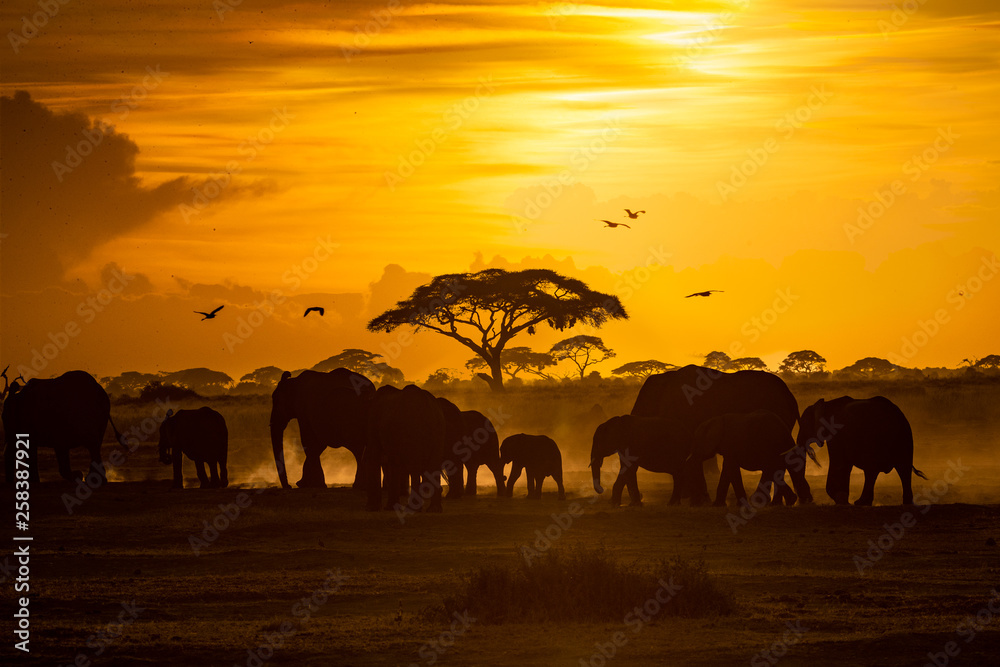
170,413
285,376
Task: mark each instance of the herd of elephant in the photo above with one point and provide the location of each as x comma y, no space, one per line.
403,440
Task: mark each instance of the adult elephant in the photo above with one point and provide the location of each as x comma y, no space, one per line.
202,436
872,434
756,440
331,409
472,442
656,444
63,413
406,439
694,394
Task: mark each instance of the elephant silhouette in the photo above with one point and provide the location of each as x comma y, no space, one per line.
872,434
63,413
202,436
755,440
694,394
406,439
652,443
472,442
332,411
538,456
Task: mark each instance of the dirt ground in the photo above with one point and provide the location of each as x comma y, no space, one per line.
125,554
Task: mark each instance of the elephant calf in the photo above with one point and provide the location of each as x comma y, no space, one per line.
538,456
202,436
750,441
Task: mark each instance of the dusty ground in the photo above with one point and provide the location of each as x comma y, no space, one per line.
129,543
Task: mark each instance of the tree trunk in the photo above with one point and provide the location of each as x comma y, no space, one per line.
496,384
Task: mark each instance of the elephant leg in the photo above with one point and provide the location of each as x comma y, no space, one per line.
223,473
616,489
782,492
213,471
392,480
312,471
763,489
676,494
725,478
435,481
797,471
534,485
515,472
96,464
62,458
497,477
456,485
559,485
178,477
202,477
358,484
838,481
470,485
632,484
868,493
905,476
738,488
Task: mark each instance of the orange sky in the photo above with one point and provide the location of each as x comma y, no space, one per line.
459,135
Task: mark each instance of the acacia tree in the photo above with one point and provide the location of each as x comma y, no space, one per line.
363,362
720,361
802,362
989,362
517,359
583,351
872,367
749,364
642,369
484,310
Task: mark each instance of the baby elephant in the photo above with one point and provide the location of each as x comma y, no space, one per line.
751,441
201,435
538,456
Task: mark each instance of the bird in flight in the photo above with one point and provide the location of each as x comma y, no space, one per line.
211,315
316,308
632,215
707,293
612,225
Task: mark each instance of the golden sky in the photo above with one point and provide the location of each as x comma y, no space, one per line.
344,152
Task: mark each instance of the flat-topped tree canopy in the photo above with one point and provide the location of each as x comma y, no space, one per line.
486,309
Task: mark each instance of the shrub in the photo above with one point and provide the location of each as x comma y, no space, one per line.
584,585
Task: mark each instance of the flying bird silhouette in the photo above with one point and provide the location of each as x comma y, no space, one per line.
707,293
316,308
211,315
632,215
612,225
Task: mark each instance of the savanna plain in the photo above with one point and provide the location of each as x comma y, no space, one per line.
136,573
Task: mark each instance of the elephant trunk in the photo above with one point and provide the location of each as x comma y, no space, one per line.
595,466
277,446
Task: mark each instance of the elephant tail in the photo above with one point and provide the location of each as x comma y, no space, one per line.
118,436
918,473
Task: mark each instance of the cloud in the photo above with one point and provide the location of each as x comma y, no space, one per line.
68,186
